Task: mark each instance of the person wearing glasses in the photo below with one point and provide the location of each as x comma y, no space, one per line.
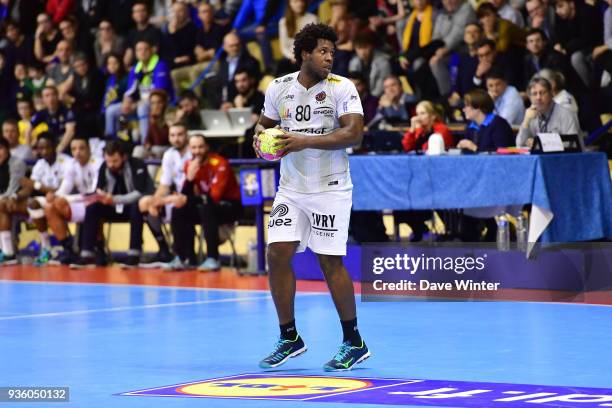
545,115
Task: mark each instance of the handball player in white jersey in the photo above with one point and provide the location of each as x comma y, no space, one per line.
69,201
321,116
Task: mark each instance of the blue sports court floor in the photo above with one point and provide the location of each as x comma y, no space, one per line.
103,340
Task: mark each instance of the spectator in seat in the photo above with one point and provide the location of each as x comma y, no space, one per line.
545,115
122,181
207,40
222,88
560,95
372,63
467,63
448,31
85,96
490,59
508,101
27,137
10,133
188,111
12,170
540,56
369,102
20,45
211,196
149,73
541,16
296,17
81,40
56,117
144,31
486,131
394,105
59,73
248,96
509,13
418,48
602,54
107,42
46,39
181,38
578,31
116,85
156,140
505,33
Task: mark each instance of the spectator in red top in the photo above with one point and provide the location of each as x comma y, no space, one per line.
211,196
59,9
426,122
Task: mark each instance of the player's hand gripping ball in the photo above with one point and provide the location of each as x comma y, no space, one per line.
267,148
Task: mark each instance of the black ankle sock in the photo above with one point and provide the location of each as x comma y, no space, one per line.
350,332
154,224
67,243
288,330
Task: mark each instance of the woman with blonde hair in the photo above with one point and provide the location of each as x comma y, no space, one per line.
427,121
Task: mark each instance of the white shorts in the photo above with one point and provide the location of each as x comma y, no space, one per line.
319,221
77,206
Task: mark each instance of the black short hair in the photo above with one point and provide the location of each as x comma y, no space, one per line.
80,137
496,73
189,94
10,121
50,137
486,42
533,31
307,39
484,9
114,146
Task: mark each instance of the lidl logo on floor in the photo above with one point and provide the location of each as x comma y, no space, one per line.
385,391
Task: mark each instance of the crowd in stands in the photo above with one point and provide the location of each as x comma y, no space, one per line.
120,75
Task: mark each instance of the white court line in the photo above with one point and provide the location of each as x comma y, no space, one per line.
124,308
149,286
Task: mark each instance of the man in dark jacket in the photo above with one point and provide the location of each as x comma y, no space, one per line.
540,56
578,30
122,181
234,58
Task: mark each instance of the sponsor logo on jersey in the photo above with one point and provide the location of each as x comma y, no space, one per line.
333,79
323,111
320,97
311,131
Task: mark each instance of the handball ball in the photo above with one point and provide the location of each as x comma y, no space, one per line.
267,139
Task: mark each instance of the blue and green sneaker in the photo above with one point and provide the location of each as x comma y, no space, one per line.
347,356
283,351
43,258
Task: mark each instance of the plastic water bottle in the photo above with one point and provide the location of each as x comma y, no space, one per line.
522,230
503,233
252,257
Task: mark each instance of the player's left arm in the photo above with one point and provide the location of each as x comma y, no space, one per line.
349,134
